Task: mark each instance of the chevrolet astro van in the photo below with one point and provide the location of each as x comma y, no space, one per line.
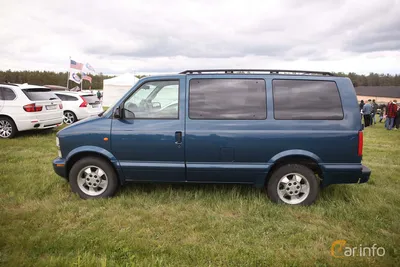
292,132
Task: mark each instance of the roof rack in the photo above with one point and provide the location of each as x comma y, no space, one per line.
7,83
250,71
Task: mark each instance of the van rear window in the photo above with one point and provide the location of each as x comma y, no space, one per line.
306,100
39,94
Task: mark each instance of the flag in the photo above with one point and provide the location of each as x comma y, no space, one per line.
75,65
85,76
73,76
89,68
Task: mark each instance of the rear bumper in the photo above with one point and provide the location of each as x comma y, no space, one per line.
365,174
38,124
59,167
345,174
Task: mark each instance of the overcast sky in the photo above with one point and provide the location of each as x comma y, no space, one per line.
173,35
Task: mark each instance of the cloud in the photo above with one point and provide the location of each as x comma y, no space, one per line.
165,36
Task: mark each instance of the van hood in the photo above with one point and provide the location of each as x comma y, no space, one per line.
86,125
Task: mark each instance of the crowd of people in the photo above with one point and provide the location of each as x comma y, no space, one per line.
389,113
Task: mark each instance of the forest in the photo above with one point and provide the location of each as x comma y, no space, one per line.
60,78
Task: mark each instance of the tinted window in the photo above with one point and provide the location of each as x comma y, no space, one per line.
154,100
39,94
8,94
67,97
306,100
241,99
91,99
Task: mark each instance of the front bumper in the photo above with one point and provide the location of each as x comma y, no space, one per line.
59,167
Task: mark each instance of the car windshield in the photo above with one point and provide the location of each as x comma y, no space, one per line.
38,94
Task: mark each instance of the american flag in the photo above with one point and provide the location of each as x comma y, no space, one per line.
75,65
85,76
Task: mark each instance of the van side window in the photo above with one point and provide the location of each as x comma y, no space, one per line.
7,94
227,99
154,100
306,100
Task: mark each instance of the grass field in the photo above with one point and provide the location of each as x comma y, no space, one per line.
43,224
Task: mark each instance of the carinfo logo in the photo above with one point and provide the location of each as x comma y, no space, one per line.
340,250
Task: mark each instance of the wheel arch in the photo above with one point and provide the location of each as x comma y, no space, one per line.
74,156
301,157
9,117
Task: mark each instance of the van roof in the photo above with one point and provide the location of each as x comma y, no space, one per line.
256,71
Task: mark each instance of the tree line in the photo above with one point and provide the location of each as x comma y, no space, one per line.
372,79
49,78
60,78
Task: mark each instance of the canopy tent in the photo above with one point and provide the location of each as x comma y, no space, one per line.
115,88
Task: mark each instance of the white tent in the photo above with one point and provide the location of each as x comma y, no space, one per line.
115,88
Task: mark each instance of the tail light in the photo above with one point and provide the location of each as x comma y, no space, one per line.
360,143
84,104
61,106
32,108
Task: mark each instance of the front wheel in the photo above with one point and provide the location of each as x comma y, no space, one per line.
93,177
293,184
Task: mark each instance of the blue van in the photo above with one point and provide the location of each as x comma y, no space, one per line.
292,132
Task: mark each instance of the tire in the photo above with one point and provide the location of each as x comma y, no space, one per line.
293,184
83,177
8,129
69,117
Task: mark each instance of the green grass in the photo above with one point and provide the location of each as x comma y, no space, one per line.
43,224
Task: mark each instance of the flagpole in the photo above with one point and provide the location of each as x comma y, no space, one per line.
68,72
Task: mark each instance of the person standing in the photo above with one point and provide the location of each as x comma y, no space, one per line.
391,113
383,114
374,111
397,119
366,111
361,104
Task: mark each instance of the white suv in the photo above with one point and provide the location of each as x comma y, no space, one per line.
25,107
79,105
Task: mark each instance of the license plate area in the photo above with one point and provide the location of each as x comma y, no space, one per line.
51,107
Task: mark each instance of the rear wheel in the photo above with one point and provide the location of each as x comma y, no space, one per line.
293,184
69,117
8,129
93,177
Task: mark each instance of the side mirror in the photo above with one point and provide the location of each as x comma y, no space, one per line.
117,113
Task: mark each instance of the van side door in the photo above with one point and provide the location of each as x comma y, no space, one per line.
225,123
148,138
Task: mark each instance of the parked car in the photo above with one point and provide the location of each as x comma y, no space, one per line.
25,107
292,132
78,105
